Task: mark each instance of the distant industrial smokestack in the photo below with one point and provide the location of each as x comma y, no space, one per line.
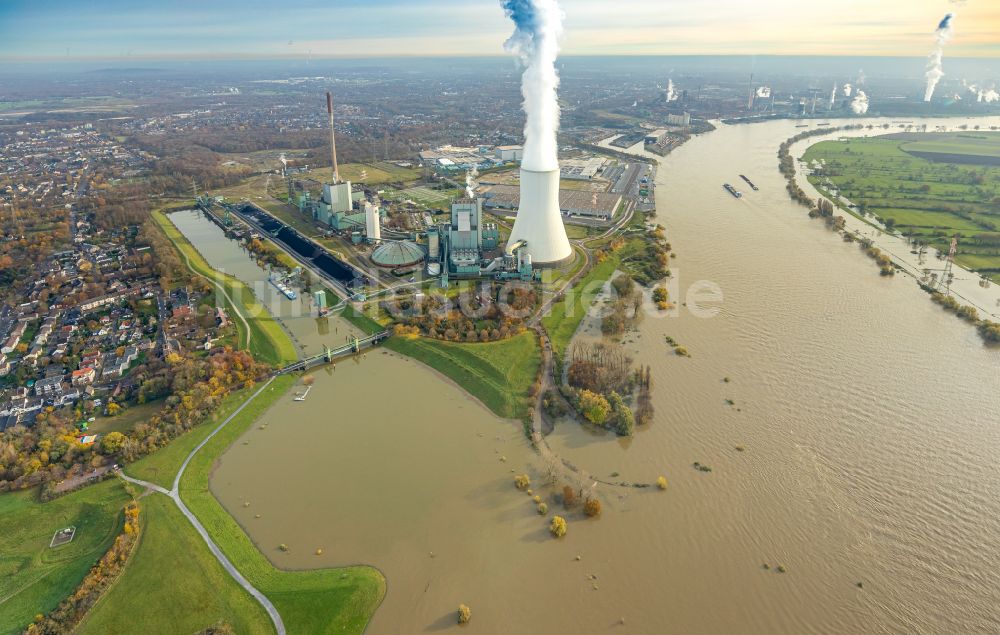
333,138
536,41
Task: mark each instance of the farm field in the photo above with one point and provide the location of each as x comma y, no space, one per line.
928,186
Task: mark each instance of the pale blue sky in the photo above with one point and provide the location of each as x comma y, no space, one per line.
117,29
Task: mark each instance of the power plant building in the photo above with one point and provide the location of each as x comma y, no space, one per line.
335,208
507,154
601,205
373,223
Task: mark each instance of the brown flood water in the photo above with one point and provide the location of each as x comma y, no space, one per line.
869,419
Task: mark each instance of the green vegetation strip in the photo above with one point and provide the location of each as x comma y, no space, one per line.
173,584
566,314
34,578
268,341
161,466
318,601
499,374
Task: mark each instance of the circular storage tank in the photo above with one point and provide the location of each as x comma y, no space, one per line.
400,253
434,269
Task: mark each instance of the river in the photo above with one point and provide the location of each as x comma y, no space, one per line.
866,414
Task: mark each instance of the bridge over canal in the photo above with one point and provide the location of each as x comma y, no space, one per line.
329,355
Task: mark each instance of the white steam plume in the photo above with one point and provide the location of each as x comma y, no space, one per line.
833,97
536,42
859,105
470,182
671,93
934,67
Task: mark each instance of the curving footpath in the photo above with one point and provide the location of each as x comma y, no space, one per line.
174,495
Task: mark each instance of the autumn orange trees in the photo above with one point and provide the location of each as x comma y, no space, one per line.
50,450
485,314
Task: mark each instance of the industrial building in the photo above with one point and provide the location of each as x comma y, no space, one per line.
398,254
462,248
508,154
339,207
600,205
682,119
581,169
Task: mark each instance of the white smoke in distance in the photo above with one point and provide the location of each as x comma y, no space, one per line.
859,105
671,93
764,92
470,182
536,42
935,70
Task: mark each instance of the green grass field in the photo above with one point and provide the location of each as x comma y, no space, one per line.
268,341
126,419
18,105
425,196
498,373
566,314
369,173
161,466
34,578
973,144
929,186
173,584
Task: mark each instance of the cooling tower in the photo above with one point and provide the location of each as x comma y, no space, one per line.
538,222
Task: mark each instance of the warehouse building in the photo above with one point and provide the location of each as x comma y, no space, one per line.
597,205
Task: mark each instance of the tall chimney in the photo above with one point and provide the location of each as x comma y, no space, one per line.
333,138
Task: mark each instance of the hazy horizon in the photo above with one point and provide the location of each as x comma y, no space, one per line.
258,29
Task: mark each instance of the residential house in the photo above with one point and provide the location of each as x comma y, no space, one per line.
49,387
84,376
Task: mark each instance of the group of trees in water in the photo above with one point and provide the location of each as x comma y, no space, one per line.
626,310
599,378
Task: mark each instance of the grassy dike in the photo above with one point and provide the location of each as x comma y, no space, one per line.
34,578
499,374
268,341
172,583
315,601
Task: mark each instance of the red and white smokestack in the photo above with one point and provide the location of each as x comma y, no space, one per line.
333,138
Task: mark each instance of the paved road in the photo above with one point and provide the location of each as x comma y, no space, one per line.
174,495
